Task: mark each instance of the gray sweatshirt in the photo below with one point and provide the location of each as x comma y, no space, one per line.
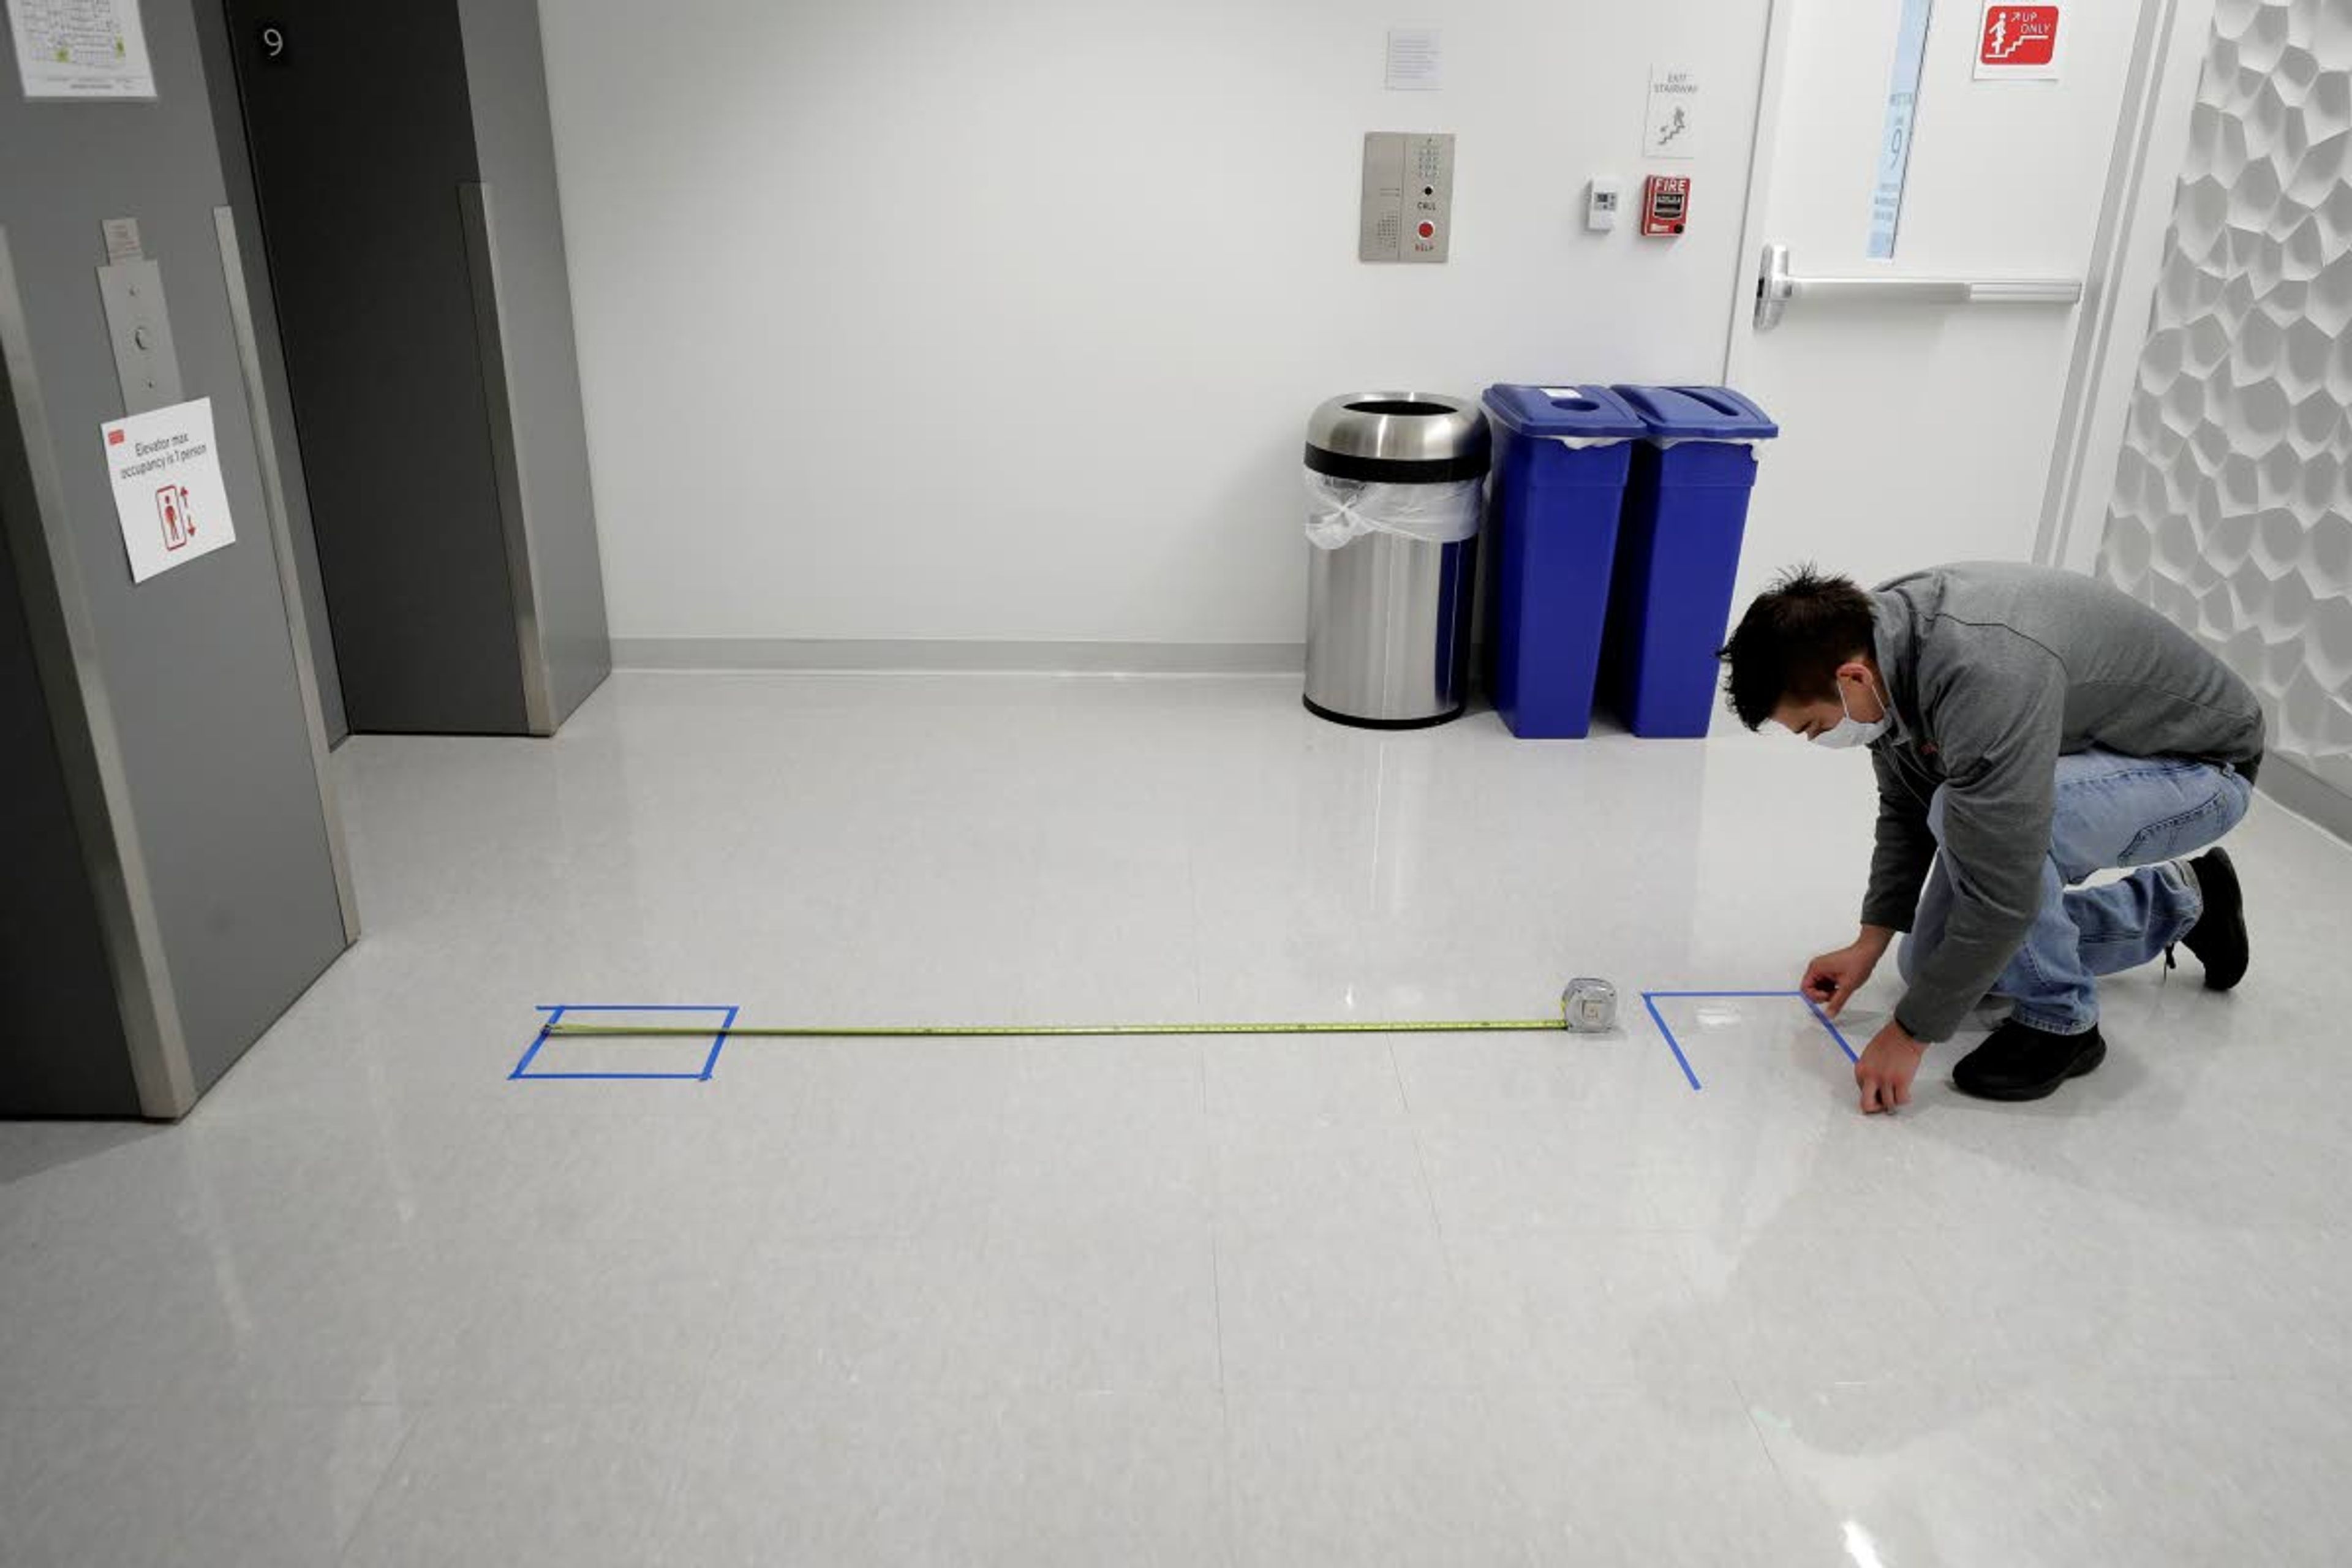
1994,672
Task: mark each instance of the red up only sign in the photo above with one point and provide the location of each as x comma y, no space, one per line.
2018,43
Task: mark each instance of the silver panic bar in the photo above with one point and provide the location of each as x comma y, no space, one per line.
1776,286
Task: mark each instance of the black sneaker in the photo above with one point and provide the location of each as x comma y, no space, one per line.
2219,938
2021,1063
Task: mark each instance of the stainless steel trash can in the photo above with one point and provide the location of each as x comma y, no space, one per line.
1395,485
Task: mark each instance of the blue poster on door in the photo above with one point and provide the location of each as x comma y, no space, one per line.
1902,113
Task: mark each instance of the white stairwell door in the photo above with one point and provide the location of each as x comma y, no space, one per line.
1916,428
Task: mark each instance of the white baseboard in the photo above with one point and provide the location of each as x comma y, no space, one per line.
957,657
2307,796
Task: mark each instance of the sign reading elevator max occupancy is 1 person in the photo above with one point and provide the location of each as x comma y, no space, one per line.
165,468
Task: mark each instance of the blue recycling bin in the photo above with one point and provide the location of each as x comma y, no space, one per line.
1560,459
1679,554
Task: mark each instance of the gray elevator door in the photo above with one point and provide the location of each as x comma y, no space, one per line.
61,1046
360,134
198,665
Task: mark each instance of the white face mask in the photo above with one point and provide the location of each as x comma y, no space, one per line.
1852,731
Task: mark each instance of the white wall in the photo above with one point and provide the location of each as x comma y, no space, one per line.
1001,322
2232,507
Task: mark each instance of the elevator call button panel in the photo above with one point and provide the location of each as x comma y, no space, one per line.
1408,208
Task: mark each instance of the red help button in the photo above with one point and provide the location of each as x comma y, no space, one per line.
1427,231
2018,35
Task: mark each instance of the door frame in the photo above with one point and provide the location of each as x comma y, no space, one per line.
2119,273
2128,257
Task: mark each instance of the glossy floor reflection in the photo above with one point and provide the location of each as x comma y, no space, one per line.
1391,1299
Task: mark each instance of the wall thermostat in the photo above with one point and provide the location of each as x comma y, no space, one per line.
1602,198
1665,204
1588,1007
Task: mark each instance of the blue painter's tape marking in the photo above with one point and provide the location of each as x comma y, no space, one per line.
604,1076
523,1066
718,1042
1649,1000
1687,994
639,1007
1831,1025
725,1014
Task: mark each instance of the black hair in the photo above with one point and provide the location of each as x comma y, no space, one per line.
1791,641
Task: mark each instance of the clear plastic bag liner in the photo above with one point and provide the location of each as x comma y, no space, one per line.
1339,512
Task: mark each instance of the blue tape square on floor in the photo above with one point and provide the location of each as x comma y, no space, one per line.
1651,999
551,1057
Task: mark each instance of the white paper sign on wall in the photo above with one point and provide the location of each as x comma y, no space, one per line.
1416,59
165,468
81,49
1672,128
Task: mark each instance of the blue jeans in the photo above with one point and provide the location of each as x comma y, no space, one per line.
2112,811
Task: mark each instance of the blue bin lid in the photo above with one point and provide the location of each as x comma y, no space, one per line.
1591,413
1699,413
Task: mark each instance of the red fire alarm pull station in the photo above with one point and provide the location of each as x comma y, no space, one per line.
1665,204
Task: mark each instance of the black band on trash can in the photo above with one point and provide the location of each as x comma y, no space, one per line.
1396,470
1430,722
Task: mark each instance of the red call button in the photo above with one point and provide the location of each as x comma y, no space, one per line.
1427,231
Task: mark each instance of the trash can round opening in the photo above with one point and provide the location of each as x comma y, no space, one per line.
1575,405
1395,434
1399,407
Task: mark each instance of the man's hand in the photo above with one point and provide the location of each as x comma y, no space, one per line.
1888,1065
1833,977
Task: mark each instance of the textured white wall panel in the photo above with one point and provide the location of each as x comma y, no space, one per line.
2232,509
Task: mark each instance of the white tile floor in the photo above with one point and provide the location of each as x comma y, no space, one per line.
1380,1300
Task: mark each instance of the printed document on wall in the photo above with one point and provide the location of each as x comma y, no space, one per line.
80,49
165,468
1416,59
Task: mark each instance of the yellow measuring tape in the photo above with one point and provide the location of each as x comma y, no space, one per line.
561,1031
1587,1006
